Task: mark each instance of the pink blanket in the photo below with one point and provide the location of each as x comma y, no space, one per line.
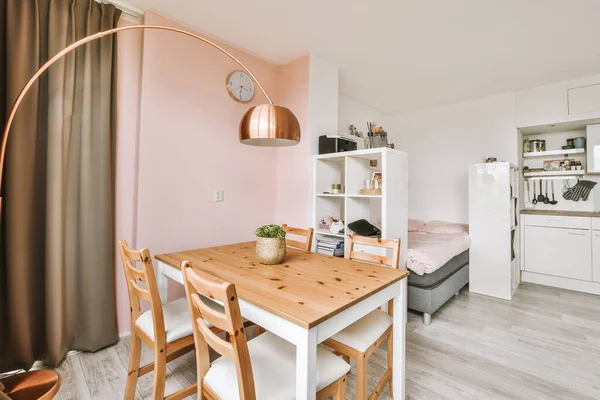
428,252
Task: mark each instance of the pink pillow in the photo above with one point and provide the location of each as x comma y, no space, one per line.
415,224
445,228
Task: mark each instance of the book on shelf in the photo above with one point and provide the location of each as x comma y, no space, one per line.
334,253
331,247
330,240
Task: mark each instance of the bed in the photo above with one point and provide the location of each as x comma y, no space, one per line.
438,258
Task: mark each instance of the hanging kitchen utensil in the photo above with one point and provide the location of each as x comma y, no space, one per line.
534,201
528,191
553,202
546,199
540,196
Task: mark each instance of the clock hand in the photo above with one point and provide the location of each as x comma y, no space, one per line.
244,88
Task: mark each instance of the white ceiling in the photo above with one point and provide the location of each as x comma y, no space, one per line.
402,55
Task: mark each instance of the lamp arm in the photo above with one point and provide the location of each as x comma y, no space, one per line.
83,41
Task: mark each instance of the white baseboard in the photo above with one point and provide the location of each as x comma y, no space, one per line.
123,335
563,283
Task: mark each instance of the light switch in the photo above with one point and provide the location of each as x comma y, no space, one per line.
218,195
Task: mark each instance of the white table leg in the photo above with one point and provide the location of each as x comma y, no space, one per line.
163,282
399,343
306,366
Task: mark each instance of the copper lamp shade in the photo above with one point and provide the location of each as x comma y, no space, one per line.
269,125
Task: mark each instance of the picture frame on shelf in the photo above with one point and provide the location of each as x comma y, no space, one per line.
378,176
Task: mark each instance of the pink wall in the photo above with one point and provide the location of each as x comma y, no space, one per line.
292,187
188,147
128,96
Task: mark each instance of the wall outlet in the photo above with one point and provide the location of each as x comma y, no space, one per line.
219,195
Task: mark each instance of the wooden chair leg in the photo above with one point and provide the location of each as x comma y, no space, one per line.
160,373
259,330
135,352
341,391
390,361
362,378
346,358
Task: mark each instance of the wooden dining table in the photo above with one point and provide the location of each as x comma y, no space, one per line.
305,300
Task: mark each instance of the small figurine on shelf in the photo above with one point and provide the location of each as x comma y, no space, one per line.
354,132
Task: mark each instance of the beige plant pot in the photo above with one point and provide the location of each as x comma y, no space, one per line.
270,251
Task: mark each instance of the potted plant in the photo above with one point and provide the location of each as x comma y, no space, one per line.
270,244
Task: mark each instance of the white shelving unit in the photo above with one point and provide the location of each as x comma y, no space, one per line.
494,268
388,211
556,137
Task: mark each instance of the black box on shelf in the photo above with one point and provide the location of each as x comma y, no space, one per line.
336,144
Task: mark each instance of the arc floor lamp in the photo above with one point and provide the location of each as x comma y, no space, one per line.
262,125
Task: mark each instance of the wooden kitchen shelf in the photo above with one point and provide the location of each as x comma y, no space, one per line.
552,153
553,173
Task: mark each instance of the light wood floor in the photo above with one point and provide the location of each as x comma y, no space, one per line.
545,344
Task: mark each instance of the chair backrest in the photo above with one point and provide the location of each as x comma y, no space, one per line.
133,275
307,233
393,244
392,261
230,322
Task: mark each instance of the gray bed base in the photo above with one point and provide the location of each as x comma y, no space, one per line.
429,300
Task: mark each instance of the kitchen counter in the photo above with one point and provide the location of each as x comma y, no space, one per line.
593,214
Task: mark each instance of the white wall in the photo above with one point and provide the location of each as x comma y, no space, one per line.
323,111
354,112
323,100
442,141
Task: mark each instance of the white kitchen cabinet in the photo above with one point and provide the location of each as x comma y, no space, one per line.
584,99
559,252
596,256
560,102
558,221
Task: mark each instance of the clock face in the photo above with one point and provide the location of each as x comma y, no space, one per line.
240,86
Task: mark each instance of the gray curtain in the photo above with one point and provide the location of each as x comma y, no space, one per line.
57,278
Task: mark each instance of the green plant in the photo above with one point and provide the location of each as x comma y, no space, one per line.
270,231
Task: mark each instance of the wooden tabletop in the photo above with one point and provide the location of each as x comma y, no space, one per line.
593,214
307,289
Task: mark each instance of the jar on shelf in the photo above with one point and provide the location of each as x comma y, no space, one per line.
336,188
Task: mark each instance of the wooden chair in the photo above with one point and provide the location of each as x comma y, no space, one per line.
165,328
307,233
362,338
264,367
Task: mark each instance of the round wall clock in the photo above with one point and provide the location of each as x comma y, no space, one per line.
240,86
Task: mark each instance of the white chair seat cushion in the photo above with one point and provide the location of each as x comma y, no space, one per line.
364,332
274,368
178,323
